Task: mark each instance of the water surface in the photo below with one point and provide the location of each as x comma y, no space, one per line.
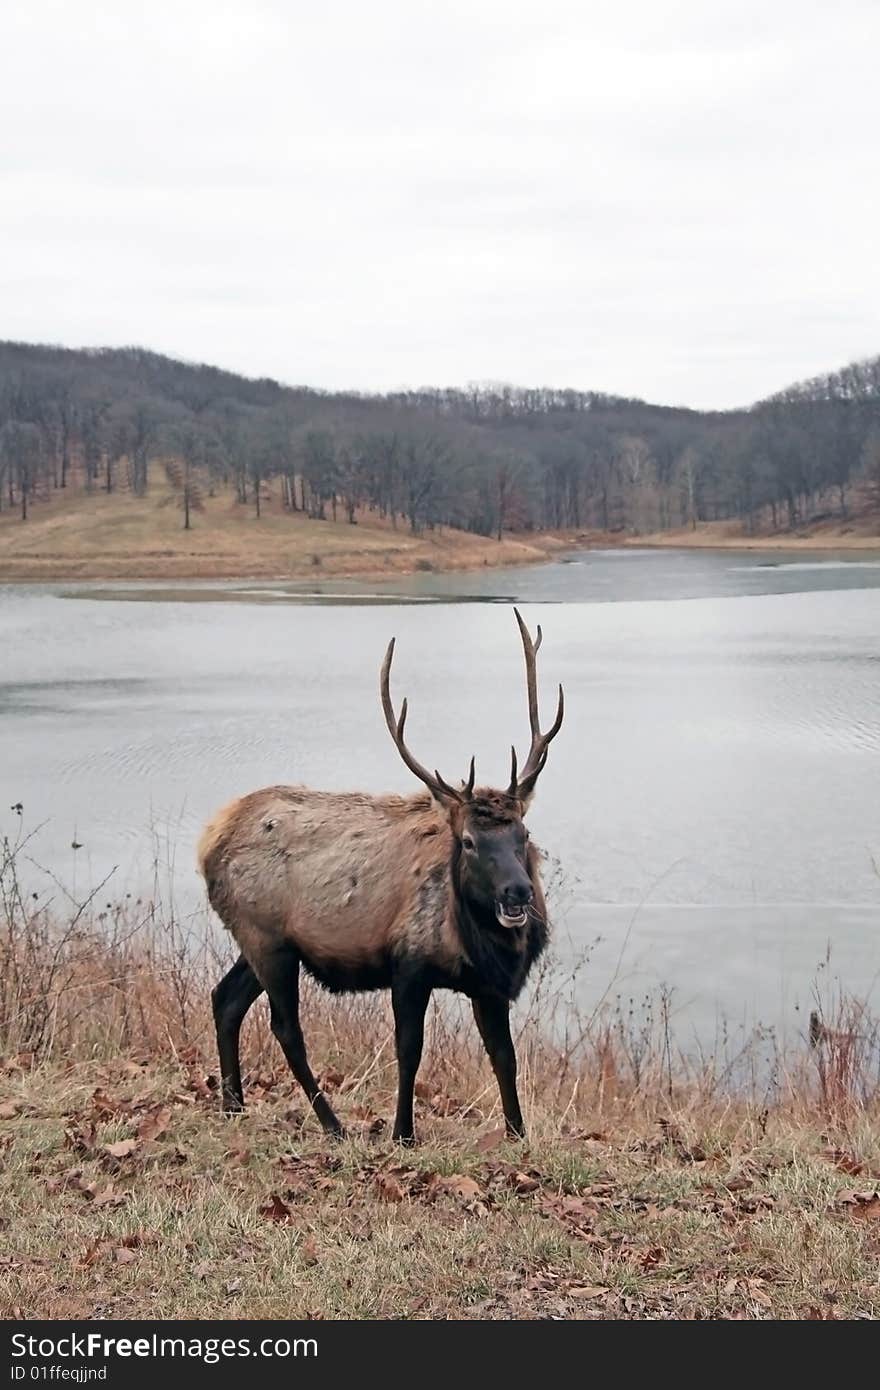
711,805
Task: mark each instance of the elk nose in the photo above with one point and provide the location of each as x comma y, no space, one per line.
517,894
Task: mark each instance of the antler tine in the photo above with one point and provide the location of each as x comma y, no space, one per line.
396,725
468,786
524,785
530,649
511,790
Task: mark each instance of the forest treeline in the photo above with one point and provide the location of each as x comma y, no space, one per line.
487,458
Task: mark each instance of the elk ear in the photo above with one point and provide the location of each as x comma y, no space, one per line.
447,799
455,817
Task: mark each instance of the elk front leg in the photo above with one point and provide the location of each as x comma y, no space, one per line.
231,999
493,1020
409,999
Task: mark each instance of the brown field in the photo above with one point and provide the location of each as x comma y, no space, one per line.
648,1188
73,535
861,531
123,537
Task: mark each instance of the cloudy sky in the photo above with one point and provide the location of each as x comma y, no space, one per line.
674,200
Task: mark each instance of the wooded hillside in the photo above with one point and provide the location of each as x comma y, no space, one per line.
487,459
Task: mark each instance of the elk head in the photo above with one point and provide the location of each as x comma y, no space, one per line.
492,861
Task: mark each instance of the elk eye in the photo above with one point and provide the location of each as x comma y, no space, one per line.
467,842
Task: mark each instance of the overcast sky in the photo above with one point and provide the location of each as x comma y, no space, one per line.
678,201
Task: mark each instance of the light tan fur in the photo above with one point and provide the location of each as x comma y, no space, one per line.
345,877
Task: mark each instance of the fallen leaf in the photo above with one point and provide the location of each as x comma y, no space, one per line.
523,1183
844,1161
390,1189
573,1211
105,1107
200,1084
232,1286
9,1109
80,1138
361,1111
107,1197
588,1291
868,1211
864,1205
138,1238
123,1148
487,1142
653,1257
309,1250
72,1178
275,1209
759,1294
462,1186
93,1253
154,1123
444,1105
755,1203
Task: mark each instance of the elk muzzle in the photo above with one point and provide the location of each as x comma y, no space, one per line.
513,902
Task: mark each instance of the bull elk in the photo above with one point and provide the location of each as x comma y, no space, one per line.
437,890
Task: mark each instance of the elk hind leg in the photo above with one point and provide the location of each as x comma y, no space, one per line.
231,999
280,975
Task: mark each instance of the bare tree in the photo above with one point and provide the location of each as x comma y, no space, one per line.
23,450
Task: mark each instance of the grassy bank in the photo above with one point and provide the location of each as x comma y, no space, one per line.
648,1187
859,531
124,1194
118,536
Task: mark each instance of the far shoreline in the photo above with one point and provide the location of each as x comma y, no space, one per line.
779,541
443,552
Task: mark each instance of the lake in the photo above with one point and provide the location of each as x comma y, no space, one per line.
712,805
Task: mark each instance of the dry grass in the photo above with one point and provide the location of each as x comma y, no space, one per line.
859,531
647,1189
75,536
712,1215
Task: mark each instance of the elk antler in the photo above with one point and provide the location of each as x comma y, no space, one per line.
523,785
433,781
